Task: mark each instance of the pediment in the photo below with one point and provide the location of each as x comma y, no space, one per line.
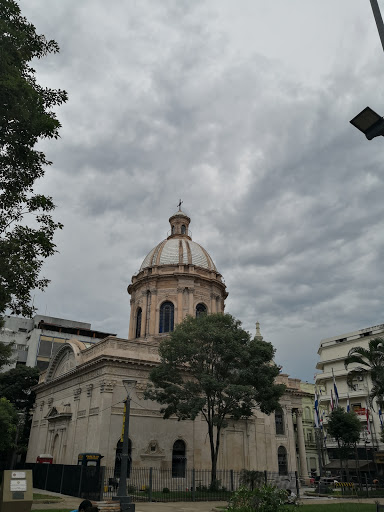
66,360
59,412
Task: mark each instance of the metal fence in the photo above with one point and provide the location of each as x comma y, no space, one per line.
151,484
79,481
148,484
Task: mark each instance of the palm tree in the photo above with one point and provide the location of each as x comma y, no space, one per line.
370,362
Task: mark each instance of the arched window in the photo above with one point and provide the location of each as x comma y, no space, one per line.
183,229
138,323
179,460
119,450
282,460
279,422
201,310
167,311
173,230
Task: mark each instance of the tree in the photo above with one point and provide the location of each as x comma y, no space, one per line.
15,386
211,366
8,424
345,427
370,362
6,350
26,116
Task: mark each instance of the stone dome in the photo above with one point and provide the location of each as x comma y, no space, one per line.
176,251
178,248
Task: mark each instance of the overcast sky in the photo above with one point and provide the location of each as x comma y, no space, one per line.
241,109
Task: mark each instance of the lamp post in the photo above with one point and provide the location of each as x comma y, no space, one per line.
369,122
122,495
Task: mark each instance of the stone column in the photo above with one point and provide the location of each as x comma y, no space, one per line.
105,408
152,317
213,303
190,298
301,443
179,305
144,308
131,330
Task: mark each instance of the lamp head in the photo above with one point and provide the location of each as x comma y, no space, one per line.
129,385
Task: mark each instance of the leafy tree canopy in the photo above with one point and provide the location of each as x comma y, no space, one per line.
16,384
344,426
368,362
211,366
26,116
5,354
8,423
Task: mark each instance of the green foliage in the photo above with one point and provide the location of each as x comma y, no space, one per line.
5,354
26,116
345,427
8,424
166,490
211,366
251,479
15,386
262,499
370,362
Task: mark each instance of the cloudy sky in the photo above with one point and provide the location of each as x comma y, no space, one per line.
241,109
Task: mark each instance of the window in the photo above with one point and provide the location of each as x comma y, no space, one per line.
201,310
282,460
179,460
138,323
279,422
173,230
166,317
183,229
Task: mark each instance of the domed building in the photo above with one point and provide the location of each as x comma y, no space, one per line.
177,278
79,399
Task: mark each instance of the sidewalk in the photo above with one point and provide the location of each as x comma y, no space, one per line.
69,502
180,506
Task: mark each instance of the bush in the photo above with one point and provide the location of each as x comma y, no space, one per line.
131,489
166,490
263,499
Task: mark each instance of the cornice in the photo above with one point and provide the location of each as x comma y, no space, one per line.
79,374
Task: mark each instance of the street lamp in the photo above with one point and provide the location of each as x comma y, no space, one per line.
369,122
122,496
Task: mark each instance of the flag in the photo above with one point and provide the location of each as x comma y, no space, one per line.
367,413
317,423
332,404
348,404
335,390
381,417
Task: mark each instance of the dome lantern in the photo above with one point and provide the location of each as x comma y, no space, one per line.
179,222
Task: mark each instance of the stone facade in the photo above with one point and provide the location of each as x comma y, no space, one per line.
79,400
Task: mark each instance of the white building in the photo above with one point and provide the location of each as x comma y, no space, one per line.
36,340
333,352
79,399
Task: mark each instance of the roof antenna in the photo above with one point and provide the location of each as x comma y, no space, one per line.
179,205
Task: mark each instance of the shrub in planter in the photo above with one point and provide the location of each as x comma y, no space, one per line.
262,499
